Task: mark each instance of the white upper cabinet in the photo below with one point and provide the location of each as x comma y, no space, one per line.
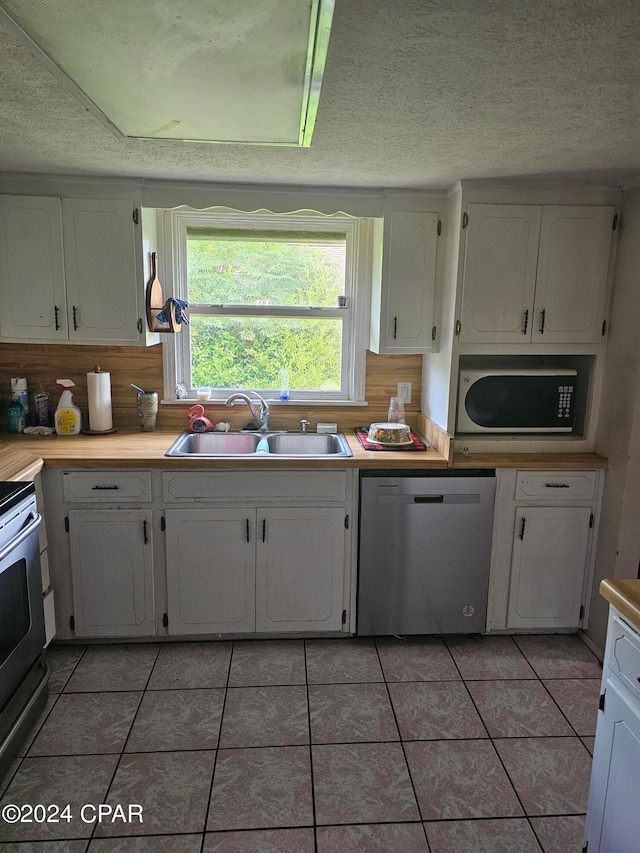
71,271
499,273
535,274
403,299
572,274
100,267
32,290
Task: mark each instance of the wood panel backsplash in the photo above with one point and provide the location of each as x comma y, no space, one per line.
47,362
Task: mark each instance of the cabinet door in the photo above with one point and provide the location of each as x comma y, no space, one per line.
300,569
210,570
112,573
409,282
499,273
32,290
548,566
100,262
572,274
613,817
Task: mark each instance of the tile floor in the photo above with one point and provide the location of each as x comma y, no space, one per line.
423,745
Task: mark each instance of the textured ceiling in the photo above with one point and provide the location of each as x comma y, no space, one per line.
416,93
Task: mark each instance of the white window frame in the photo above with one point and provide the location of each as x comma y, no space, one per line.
355,316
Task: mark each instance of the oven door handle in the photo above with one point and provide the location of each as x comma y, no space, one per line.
36,518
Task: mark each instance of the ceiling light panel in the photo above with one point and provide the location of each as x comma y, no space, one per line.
194,70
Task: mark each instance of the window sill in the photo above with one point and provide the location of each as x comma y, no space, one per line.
192,401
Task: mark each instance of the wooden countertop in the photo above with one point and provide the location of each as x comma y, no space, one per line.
625,597
16,463
553,461
131,449
135,449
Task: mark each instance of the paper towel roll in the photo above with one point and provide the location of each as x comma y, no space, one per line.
99,394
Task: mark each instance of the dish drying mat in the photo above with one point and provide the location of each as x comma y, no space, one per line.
361,434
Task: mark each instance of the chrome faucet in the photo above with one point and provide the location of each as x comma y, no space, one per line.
262,416
304,425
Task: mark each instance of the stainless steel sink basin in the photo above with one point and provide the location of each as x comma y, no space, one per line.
282,444
214,444
308,444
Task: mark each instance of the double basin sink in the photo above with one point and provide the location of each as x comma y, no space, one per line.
289,445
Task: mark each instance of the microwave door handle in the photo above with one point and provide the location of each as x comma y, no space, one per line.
36,518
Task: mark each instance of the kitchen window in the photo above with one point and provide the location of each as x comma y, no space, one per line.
270,293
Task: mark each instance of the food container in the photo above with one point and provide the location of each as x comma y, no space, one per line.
389,433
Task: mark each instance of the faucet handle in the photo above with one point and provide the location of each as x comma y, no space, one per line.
304,423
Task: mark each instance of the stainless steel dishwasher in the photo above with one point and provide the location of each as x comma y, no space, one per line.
425,547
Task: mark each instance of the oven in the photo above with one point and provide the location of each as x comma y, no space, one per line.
23,673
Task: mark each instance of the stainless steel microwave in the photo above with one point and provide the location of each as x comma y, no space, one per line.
516,400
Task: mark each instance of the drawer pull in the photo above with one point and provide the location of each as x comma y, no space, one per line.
557,486
104,488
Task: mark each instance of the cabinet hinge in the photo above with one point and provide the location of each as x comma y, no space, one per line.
434,332
439,227
344,617
72,622
346,522
591,520
465,220
458,327
581,614
163,524
140,325
604,328
601,702
136,215
615,222
66,523
165,620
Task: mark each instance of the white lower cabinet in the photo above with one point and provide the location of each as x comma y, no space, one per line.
613,817
111,560
211,569
300,569
206,552
267,569
547,571
543,549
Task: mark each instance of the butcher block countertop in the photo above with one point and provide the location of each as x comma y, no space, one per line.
18,463
136,449
625,597
130,449
555,461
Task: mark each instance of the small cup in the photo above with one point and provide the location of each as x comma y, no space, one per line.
147,410
342,301
203,393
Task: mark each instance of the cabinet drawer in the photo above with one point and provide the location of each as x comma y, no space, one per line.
556,485
623,654
238,485
106,486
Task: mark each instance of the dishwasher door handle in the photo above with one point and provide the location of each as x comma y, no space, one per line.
428,499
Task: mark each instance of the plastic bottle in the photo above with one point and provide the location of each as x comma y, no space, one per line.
41,406
284,384
15,417
19,392
68,419
396,410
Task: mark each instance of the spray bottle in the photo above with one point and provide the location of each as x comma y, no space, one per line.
68,418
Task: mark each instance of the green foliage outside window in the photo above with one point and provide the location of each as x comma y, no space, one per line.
249,351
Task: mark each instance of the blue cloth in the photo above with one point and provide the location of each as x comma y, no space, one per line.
179,306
